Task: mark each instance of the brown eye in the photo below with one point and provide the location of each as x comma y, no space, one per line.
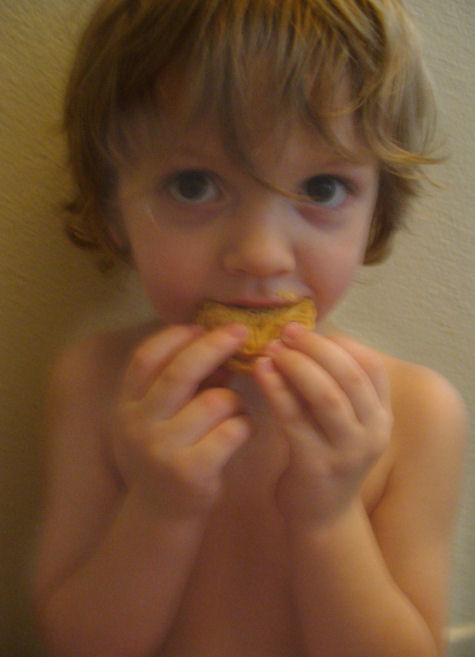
193,186
325,190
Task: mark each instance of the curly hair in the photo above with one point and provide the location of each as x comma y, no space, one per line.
309,48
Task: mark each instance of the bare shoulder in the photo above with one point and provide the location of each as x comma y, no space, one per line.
94,364
428,409
84,384
429,435
79,468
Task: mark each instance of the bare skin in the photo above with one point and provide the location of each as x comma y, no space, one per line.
229,567
282,514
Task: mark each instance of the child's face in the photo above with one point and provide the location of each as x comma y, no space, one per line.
201,227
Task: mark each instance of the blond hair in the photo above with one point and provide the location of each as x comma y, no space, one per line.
309,49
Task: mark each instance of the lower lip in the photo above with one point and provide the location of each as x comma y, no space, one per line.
261,304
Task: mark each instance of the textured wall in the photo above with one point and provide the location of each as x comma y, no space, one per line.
418,306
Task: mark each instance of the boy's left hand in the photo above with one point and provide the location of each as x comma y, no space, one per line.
331,397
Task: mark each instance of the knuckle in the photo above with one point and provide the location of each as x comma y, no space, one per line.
149,352
219,399
356,378
142,359
195,477
331,400
234,429
211,398
375,367
177,375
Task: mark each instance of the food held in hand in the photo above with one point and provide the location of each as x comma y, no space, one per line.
264,324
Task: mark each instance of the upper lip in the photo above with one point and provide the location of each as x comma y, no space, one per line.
260,302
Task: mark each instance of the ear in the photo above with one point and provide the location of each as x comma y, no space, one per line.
117,238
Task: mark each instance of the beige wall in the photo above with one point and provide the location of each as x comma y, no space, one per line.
418,306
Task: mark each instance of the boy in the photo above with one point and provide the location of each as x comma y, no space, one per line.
242,152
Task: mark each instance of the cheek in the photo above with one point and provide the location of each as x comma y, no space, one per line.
172,275
329,272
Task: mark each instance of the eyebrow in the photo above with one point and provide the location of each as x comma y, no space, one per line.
329,158
361,158
343,163
195,152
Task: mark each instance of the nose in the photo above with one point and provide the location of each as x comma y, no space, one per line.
259,242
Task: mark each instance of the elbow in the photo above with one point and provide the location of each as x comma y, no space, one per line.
52,629
422,644
48,629
58,632
68,631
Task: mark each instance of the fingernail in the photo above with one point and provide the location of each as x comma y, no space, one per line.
265,365
274,347
237,330
291,331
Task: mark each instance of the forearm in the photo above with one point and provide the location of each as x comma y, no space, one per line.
349,605
123,598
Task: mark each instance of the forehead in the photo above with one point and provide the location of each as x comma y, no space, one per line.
177,122
277,160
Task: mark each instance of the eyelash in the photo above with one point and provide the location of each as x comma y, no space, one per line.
209,178
345,185
180,177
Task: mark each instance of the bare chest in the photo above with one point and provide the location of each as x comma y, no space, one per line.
238,600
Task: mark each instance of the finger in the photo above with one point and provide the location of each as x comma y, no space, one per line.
214,450
303,432
277,391
152,355
323,398
202,414
343,366
371,363
179,380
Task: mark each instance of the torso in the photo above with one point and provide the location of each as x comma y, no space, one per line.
237,601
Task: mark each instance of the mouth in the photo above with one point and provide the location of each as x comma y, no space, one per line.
264,318
259,304
263,303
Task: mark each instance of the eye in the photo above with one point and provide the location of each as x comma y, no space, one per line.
325,190
194,186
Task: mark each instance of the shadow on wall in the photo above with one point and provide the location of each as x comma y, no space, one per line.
50,291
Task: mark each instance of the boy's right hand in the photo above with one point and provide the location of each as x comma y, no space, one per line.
171,440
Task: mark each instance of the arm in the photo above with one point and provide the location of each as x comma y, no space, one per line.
342,571
123,597
370,588
122,523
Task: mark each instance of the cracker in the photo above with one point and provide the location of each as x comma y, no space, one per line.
264,324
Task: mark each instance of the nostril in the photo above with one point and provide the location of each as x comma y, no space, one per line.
259,261
260,241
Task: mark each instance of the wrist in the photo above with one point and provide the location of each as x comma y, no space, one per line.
329,527
157,517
